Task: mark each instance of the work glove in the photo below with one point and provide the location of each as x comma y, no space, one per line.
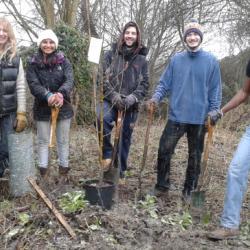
21,122
215,115
129,101
118,102
151,103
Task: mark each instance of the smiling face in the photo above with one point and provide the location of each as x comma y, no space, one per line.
3,36
193,40
48,46
130,36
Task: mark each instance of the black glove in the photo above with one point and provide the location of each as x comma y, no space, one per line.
215,115
129,101
118,102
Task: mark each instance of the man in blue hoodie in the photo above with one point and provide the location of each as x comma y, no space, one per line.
192,83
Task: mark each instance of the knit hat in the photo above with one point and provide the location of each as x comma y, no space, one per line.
192,26
47,34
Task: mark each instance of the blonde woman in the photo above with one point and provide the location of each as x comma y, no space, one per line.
12,90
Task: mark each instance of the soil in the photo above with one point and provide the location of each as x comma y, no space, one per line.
151,223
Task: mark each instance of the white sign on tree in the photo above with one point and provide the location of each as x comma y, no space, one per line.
95,48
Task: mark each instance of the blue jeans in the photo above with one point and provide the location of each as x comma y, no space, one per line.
6,127
62,139
109,119
237,183
172,132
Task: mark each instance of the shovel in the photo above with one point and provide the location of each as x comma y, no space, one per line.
198,196
54,115
113,173
145,150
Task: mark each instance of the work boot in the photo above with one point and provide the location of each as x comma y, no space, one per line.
106,164
63,170
122,179
223,233
43,171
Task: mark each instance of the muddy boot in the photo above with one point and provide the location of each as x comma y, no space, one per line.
122,179
63,170
223,233
43,172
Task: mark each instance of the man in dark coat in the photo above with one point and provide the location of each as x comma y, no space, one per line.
125,85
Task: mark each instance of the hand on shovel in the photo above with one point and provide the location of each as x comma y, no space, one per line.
55,100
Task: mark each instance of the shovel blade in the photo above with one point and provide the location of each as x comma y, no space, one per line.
112,175
198,199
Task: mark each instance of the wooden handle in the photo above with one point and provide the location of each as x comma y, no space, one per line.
58,215
117,137
206,154
145,150
52,138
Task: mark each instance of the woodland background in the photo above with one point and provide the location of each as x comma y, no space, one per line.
152,223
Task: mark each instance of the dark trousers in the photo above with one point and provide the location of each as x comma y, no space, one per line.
109,120
172,132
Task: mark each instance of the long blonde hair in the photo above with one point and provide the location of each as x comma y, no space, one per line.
11,43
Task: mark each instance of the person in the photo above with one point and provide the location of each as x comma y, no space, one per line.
50,79
125,85
192,83
13,90
237,176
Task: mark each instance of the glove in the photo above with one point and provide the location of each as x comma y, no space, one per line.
118,102
215,115
129,101
151,103
21,122
58,101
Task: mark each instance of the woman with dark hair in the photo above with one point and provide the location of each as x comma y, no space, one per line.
50,79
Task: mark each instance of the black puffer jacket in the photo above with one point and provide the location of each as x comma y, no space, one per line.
54,76
126,73
8,76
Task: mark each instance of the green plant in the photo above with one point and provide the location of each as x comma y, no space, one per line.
183,220
149,204
23,218
5,206
72,202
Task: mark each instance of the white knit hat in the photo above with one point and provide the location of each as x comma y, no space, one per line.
47,34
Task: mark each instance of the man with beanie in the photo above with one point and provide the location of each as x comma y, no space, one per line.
192,83
125,85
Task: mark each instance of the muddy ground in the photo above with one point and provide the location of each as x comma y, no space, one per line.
163,223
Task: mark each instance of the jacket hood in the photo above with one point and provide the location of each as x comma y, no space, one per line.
138,45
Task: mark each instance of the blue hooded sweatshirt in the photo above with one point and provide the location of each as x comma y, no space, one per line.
192,82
